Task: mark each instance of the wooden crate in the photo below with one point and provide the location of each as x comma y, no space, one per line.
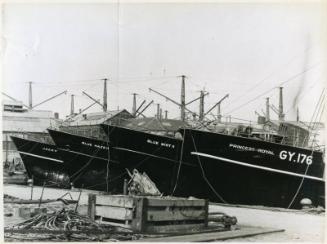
149,214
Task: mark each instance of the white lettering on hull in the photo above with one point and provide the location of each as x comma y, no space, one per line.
162,144
251,149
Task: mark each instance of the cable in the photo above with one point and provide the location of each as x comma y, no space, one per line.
107,176
203,173
280,84
180,163
300,185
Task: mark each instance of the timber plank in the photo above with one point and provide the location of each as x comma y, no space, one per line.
214,236
188,214
153,202
172,228
126,226
114,212
116,201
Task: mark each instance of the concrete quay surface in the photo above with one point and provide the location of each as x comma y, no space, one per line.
299,226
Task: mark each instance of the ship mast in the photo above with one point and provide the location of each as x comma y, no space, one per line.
30,98
183,98
134,104
267,109
72,105
105,104
201,112
281,115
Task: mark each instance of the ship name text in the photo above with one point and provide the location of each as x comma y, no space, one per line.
251,149
162,144
90,144
49,149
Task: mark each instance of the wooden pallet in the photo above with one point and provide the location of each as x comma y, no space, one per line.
148,214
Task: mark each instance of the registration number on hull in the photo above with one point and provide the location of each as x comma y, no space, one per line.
295,157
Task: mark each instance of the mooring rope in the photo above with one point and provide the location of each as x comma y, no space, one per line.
203,173
180,163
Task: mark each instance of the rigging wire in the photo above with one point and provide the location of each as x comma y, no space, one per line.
268,76
267,91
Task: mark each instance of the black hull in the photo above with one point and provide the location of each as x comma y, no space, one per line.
207,174
252,172
43,163
87,160
269,174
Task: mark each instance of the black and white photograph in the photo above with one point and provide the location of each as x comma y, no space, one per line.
163,121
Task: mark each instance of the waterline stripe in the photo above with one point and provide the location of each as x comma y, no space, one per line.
38,156
258,167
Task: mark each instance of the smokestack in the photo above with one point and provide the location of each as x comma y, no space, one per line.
297,114
267,109
201,112
72,105
280,110
56,115
105,95
160,113
134,104
166,114
183,98
218,113
30,99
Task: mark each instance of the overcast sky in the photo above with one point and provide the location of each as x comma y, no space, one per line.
245,50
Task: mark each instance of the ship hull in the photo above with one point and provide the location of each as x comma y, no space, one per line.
230,169
245,171
89,158
43,163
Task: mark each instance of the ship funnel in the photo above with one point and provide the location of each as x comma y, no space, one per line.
281,115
